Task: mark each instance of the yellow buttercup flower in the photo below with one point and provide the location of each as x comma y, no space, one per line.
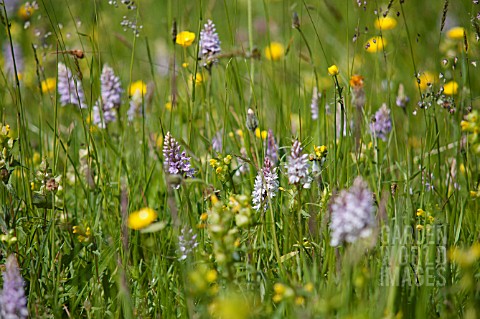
274,51
300,301
257,132
141,218
138,87
211,275
49,85
185,38
333,70
385,23
450,88
279,288
264,134
261,134
25,12
198,79
455,33
309,287
425,79
375,44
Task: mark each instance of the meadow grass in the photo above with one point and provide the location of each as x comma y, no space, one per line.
105,217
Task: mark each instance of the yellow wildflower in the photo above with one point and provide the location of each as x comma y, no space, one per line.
300,301
333,70
185,38
239,132
419,227
279,288
309,287
185,65
264,134
214,199
277,298
425,79
213,162
375,44
228,159
198,78
211,275
257,132
450,88
385,23
319,150
420,212
465,125
49,85
168,105
141,218
159,141
138,87
25,12
274,51
36,159
83,233
455,33
465,257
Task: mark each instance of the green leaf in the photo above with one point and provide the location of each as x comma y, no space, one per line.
154,227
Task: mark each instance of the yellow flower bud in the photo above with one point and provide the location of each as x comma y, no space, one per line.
333,70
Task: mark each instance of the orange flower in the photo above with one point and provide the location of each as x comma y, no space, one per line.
356,81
